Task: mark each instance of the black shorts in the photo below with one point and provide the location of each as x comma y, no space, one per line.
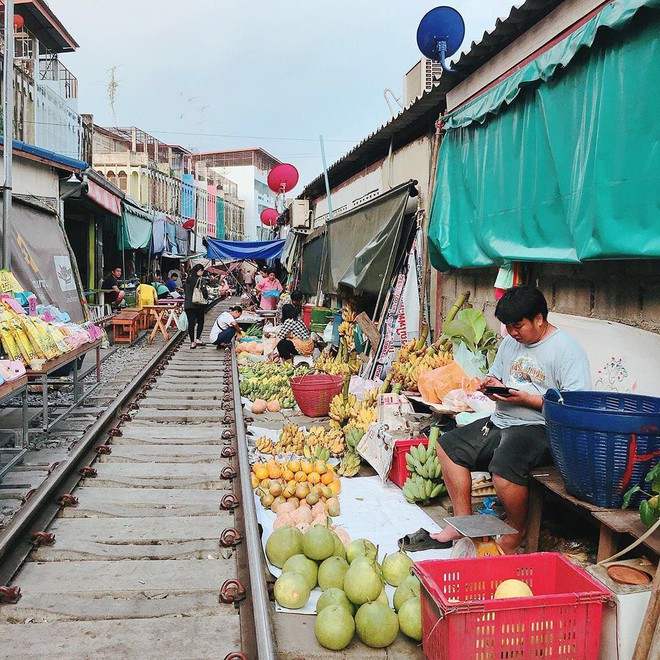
509,453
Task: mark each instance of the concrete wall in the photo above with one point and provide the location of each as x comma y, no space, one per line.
624,291
32,178
556,22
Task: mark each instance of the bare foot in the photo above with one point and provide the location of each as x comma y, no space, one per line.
447,534
511,543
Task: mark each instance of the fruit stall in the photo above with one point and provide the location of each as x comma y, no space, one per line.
343,476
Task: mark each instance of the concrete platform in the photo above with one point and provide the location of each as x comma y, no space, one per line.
144,502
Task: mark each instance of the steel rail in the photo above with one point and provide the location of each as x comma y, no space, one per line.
260,601
15,534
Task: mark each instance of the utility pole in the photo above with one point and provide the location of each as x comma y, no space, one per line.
8,129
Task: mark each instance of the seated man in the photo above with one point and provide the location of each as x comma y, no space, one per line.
115,295
535,357
225,327
172,283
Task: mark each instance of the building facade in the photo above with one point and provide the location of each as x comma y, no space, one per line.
249,169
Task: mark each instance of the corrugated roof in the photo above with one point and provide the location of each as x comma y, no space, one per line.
419,117
46,154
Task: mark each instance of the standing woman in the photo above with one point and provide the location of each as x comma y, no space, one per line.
294,337
270,290
194,308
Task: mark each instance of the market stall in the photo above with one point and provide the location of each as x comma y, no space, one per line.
11,456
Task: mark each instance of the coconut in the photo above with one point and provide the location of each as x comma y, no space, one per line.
291,590
409,588
362,583
282,544
361,547
334,627
377,625
334,596
396,567
317,542
303,566
410,618
332,572
259,406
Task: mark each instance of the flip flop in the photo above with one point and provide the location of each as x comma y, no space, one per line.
421,540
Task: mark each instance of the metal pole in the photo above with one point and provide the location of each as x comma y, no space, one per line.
325,176
8,128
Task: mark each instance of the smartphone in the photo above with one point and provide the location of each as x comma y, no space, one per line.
500,391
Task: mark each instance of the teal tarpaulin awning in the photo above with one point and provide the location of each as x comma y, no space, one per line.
136,234
559,161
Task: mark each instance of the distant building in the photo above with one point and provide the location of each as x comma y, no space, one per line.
249,168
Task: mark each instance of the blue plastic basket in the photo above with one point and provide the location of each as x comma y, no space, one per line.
603,443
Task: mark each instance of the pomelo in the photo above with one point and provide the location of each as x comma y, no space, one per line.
334,596
332,572
303,566
410,618
383,598
396,567
377,625
282,544
340,550
362,583
334,627
317,543
361,547
291,590
409,588
513,589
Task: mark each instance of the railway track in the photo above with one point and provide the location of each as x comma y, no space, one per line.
144,543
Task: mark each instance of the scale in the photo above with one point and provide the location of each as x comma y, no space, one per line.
478,535
440,34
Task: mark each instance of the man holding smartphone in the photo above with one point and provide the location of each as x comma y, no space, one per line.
534,357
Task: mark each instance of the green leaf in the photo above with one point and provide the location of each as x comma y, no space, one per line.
654,476
469,324
628,495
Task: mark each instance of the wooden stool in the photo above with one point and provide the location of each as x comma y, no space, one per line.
125,327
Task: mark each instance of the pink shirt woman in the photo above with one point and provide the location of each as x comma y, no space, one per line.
271,286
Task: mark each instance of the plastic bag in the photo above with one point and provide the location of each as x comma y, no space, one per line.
435,384
327,333
182,322
474,365
360,386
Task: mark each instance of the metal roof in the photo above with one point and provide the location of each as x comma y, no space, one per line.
64,162
419,118
45,26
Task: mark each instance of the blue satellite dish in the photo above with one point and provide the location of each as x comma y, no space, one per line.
440,34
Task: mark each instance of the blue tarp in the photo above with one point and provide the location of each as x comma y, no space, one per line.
218,249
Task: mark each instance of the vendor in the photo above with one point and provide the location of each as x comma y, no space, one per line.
225,327
270,289
535,357
115,296
294,337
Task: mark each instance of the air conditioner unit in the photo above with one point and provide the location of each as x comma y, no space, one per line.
298,213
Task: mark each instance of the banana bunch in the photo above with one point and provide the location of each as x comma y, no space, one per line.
332,440
366,416
353,435
424,462
412,361
342,410
350,464
418,489
317,453
348,315
292,440
266,445
332,366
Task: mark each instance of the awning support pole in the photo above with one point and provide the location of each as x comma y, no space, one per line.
8,129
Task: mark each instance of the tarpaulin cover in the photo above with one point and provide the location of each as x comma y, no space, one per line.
137,231
362,244
220,218
218,249
568,171
312,256
41,260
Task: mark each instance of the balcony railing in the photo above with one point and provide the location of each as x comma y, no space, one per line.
50,68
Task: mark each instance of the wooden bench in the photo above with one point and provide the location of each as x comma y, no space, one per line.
614,524
126,326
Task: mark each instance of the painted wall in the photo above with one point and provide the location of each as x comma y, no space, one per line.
32,178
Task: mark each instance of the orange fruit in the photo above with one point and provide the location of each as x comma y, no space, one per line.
300,476
320,467
294,466
261,472
306,467
335,487
287,475
254,480
274,471
327,478
314,477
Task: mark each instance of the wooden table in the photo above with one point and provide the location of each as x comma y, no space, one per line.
8,391
165,315
612,523
79,394
126,326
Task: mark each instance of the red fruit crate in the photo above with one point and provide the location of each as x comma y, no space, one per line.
399,471
461,619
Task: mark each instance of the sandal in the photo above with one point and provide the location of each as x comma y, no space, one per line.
193,345
421,540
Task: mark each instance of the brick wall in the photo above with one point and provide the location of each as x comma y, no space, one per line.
623,291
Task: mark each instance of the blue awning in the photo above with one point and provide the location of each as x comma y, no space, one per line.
218,249
46,154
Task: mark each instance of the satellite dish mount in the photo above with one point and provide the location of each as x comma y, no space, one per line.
440,34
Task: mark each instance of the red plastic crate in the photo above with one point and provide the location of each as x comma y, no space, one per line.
399,471
460,618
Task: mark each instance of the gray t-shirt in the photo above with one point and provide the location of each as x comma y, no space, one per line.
557,361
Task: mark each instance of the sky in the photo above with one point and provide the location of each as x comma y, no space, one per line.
232,74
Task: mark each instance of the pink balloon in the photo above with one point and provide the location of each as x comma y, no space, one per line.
269,217
284,176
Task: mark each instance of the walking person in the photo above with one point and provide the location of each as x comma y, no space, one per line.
225,327
195,300
294,337
270,290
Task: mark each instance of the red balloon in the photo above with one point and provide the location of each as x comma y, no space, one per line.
188,224
19,21
283,177
269,217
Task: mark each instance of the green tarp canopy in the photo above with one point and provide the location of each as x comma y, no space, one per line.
137,229
312,255
559,162
220,218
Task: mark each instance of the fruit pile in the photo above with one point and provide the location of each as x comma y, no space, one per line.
346,362
415,358
275,482
291,441
319,444
425,483
353,585
269,383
